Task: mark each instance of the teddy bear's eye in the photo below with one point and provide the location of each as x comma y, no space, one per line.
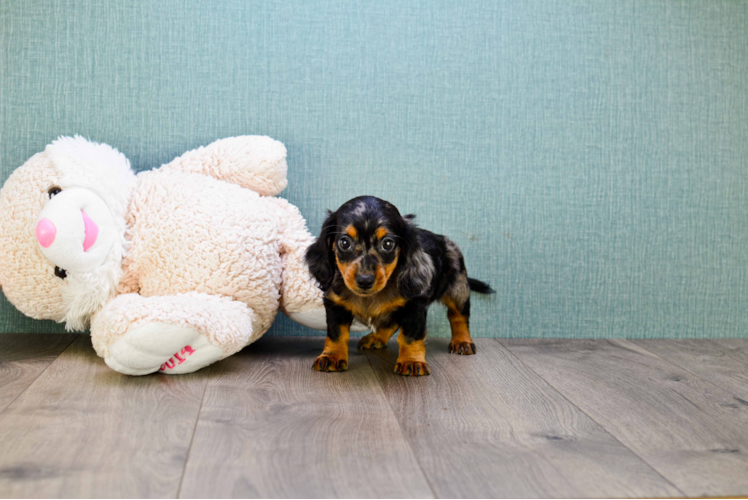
60,273
54,190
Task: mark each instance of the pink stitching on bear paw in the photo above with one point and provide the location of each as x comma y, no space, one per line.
186,351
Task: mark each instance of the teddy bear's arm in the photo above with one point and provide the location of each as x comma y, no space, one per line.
251,161
299,290
174,334
301,298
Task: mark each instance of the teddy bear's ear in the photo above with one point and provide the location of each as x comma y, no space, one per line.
95,166
80,151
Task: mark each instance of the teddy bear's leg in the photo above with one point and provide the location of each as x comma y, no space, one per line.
251,161
172,334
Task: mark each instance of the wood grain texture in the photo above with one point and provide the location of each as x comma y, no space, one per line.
271,426
486,426
23,357
724,365
738,348
689,430
83,430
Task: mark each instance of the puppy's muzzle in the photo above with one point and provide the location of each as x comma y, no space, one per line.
365,281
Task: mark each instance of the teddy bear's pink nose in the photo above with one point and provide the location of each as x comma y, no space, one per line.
45,232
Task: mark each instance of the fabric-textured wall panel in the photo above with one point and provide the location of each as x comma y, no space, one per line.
590,158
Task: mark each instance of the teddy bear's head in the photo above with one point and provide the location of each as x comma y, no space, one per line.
62,230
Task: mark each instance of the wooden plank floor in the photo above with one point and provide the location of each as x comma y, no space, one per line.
713,360
491,419
690,430
23,358
272,426
83,430
546,418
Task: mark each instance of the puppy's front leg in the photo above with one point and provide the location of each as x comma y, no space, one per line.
411,361
334,357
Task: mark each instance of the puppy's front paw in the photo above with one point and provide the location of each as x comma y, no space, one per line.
410,368
371,341
462,348
330,363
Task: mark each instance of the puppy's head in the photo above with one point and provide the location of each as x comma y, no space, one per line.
366,241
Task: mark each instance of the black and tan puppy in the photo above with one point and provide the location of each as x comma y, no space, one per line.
376,266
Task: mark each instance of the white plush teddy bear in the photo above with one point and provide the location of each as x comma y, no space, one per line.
173,268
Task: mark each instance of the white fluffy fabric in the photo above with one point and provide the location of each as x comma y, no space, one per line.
98,167
86,293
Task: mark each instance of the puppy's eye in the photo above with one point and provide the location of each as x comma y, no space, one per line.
60,273
54,190
345,243
387,245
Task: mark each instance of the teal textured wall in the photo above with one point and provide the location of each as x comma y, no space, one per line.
589,157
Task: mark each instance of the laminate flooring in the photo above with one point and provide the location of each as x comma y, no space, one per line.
522,418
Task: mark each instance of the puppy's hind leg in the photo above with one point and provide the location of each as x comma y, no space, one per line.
457,300
378,338
411,360
458,313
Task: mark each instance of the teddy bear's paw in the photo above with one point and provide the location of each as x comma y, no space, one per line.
161,347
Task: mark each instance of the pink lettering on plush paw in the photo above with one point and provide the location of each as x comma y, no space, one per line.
180,356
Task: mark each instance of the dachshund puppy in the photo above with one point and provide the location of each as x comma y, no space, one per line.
376,266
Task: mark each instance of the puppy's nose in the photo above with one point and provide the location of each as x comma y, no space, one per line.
365,281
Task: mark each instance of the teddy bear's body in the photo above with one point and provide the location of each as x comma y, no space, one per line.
238,235
173,268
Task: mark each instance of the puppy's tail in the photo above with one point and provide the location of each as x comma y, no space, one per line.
479,286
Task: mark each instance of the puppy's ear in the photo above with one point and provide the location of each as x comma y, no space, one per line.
417,269
320,257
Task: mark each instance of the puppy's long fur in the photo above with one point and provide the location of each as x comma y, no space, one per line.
376,266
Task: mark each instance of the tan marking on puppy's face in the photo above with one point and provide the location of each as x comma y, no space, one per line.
349,271
364,254
384,271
